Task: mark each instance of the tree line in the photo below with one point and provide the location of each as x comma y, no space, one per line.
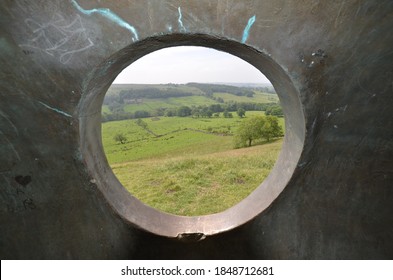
209,89
165,92
201,111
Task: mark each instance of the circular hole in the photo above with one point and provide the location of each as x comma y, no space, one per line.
194,227
184,144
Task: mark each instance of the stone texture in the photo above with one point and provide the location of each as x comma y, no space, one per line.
338,204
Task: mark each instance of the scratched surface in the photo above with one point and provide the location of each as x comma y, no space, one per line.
338,54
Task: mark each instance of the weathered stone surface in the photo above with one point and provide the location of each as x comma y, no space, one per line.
338,203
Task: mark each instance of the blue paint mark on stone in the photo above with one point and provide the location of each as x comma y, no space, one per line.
181,26
54,109
247,29
109,15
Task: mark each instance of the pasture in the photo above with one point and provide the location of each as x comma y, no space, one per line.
187,166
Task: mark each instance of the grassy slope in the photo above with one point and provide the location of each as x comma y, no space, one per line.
175,140
186,172
259,97
198,185
142,145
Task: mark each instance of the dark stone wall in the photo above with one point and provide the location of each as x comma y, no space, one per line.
337,205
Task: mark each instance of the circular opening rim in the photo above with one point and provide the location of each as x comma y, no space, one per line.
150,219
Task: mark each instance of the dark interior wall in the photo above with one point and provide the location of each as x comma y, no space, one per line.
338,54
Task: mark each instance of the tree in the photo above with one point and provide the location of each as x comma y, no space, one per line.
219,100
120,137
183,111
115,107
241,112
274,110
271,128
195,112
208,113
141,114
249,130
170,112
257,127
141,123
227,114
215,108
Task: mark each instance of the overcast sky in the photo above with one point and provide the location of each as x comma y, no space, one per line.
185,64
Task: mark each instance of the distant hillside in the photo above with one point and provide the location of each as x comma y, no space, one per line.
192,87
127,101
117,88
268,86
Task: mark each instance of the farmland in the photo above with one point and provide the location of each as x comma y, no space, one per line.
188,165
141,101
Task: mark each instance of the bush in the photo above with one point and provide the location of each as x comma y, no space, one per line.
120,137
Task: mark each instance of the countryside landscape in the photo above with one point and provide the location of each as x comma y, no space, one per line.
191,149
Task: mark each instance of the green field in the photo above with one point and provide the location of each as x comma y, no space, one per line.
185,165
195,100
156,103
192,184
149,98
259,97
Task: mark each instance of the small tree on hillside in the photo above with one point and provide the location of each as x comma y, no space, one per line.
120,137
271,128
227,114
274,110
183,111
141,123
241,112
249,130
257,127
195,112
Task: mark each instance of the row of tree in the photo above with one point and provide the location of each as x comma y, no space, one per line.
133,94
202,111
209,89
274,110
152,93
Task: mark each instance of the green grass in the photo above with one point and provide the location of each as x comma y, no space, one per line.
197,185
259,97
186,170
176,139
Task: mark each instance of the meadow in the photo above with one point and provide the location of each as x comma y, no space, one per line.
150,98
197,100
259,97
187,166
